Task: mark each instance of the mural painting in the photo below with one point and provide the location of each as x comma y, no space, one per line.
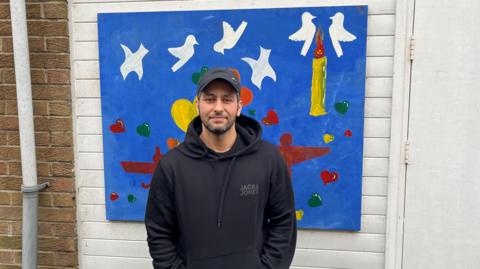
302,72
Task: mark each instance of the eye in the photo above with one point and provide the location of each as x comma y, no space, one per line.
227,100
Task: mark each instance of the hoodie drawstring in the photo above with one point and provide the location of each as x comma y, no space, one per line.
224,190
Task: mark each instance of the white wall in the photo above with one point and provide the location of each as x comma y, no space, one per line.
104,244
442,179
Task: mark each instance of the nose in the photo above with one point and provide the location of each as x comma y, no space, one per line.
218,106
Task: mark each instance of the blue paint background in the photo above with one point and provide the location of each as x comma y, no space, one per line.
150,99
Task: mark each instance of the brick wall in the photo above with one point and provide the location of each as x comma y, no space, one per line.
50,65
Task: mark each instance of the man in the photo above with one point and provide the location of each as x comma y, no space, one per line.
223,198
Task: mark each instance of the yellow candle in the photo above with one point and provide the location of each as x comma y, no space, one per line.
319,79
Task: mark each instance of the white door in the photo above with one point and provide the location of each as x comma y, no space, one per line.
442,198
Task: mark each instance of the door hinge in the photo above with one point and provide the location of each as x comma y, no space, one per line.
412,48
407,152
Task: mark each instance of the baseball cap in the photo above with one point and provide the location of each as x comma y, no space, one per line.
218,73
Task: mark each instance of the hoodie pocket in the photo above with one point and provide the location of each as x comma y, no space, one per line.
243,260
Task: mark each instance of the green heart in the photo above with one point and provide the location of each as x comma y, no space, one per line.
342,107
132,198
197,75
252,112
315,200
144,129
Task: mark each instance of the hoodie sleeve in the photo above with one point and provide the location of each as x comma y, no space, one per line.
279,245
161,222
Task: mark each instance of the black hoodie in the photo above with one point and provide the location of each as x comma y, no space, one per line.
232,210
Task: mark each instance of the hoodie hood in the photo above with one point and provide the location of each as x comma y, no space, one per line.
248,129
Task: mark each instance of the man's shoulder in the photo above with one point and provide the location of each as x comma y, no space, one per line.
269,155
172,156
267,146
268,149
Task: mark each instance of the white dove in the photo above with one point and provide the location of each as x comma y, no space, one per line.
230,37
338,33
184,52
133,61
261,68
305,33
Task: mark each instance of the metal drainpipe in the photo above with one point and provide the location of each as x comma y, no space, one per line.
27,135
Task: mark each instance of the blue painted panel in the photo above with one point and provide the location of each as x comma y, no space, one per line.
133,101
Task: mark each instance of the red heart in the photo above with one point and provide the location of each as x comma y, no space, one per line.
145,185
118,127
271,118
328,177
114,196
348,133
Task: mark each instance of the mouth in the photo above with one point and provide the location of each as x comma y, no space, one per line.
217,118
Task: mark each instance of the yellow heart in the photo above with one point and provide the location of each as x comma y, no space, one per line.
328,138
183,111
299,214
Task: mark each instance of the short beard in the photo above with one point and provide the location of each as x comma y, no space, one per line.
216,130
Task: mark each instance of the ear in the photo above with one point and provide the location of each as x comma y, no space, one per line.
195,104
240,106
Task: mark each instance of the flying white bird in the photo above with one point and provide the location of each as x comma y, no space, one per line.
184,52
261,68
338,33
133,61
306,32
230,37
